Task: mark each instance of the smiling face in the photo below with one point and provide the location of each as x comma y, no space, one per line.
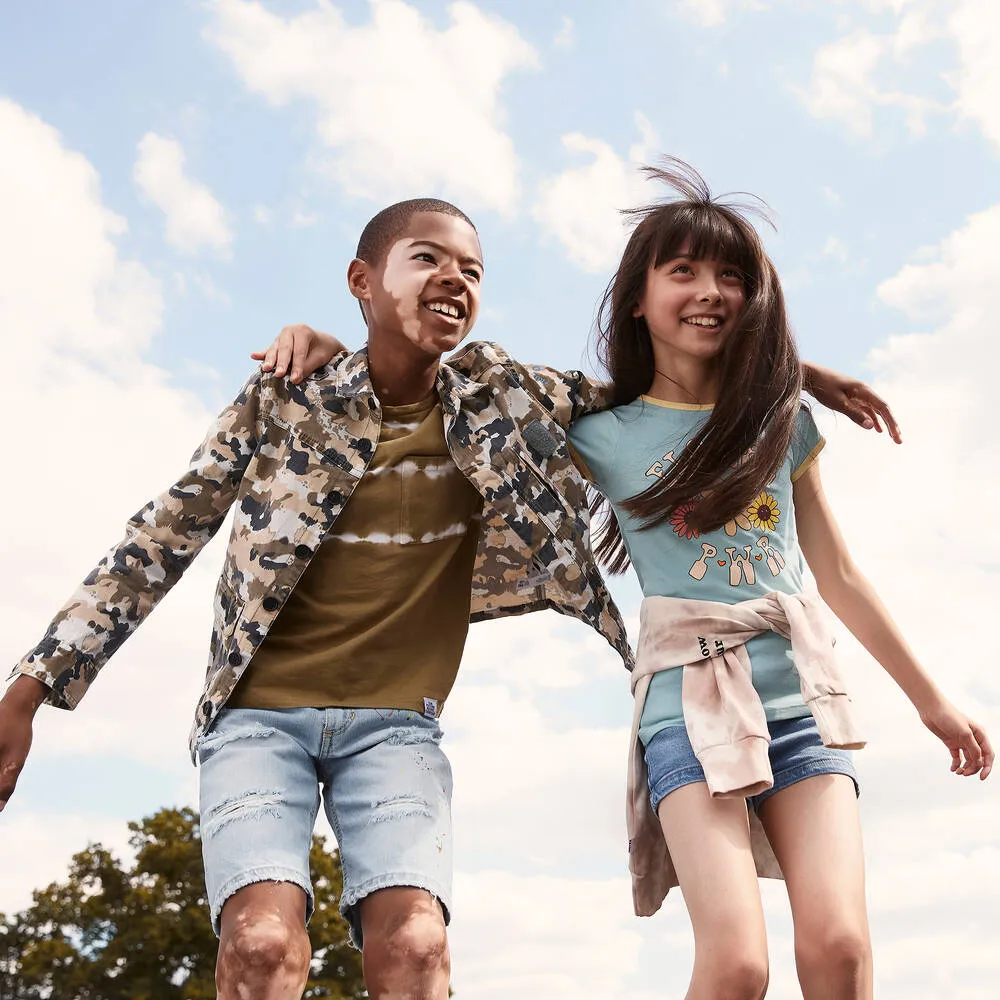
691,307
423,297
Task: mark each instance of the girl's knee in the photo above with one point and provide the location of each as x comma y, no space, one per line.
835,951
732,974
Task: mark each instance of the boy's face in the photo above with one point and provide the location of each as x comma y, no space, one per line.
426,290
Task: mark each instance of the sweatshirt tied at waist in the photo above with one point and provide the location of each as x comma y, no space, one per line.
723,713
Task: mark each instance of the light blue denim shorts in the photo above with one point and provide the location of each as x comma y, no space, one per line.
796,752
384,781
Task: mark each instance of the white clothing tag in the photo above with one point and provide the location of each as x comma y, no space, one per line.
430,708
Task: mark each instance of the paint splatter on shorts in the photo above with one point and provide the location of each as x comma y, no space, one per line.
381,774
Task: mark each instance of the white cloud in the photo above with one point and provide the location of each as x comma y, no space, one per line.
836,248
606,184
405,109
566,38
975,27
714,13
854,75
194,218
101,430
843,87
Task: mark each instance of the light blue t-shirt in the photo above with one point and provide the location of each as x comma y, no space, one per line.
624,450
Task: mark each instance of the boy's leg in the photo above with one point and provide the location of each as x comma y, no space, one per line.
259,798
264,950
709,843
814,829
388,797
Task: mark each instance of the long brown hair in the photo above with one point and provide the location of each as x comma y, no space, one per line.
741,446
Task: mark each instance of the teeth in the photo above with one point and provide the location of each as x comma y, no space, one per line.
444,307
704,321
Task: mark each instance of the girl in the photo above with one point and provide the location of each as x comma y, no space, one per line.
707,464
710,484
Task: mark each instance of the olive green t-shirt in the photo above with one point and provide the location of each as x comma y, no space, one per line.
380,615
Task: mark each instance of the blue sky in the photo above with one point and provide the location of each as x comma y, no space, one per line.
180,180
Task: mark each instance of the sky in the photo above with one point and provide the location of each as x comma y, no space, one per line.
178,180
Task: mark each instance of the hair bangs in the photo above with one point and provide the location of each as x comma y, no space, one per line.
706,231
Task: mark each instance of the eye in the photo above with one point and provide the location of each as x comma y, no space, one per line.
473,273
681,269
733,274
424,255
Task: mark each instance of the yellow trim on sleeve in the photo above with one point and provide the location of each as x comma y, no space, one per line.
809,460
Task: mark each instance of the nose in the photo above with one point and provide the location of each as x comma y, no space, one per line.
451,275
709,290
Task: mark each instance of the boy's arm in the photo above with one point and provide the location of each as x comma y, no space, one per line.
300,350
853,600
851,397
160,542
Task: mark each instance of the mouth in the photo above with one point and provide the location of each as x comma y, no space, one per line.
451,310
704,320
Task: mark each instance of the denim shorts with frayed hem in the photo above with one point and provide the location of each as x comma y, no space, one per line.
796,752
381,774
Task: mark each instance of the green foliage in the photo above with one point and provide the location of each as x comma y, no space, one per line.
143,933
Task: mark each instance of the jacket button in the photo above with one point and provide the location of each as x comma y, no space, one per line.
302,552
270,603
235,659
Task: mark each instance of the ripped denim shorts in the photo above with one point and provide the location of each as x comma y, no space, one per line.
385,784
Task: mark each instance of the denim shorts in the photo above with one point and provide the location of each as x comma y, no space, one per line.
796,752
384,781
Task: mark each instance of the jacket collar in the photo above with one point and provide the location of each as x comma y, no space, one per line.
354,380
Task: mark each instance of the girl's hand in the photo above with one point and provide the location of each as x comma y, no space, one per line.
850,396
962,737
304,348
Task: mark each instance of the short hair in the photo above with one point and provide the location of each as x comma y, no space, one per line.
385,227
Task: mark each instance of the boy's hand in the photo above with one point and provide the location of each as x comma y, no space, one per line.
302,348
17,711
852,397
962,737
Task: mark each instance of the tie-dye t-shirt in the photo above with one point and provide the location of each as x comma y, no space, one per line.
622,451
380,616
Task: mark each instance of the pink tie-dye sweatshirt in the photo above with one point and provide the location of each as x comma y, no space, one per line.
722,711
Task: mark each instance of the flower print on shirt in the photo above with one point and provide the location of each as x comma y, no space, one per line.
763,512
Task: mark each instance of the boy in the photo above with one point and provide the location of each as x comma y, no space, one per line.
372,501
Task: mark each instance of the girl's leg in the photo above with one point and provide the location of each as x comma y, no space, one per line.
814,829
709,842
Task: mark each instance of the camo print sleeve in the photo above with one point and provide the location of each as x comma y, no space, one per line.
569,395
160,542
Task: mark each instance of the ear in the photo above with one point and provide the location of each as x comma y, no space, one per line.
359,279
637,311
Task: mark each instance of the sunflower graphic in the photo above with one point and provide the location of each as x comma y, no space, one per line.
763,512
678,521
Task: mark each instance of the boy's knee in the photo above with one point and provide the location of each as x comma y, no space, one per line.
263,947
413,946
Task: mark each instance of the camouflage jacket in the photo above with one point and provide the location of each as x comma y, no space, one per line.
288,458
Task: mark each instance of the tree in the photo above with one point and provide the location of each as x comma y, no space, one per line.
143,933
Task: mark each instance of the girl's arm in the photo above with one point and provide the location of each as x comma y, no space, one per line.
853,600
301,349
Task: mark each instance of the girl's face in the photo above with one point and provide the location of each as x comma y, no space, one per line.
691,306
